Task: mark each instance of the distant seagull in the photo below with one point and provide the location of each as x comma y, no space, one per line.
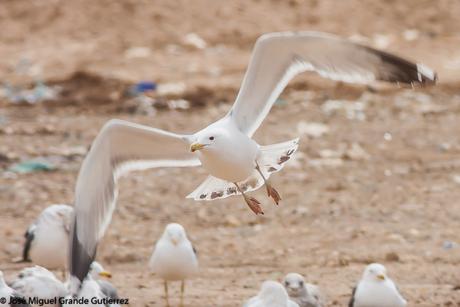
47,238
376,289
10,295
38,282
236,163
304,294
174,258
272,294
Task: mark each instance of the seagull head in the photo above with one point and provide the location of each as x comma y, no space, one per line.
294,284
375,272
174,233
97,270
209,139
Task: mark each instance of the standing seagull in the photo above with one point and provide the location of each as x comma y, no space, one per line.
272,294
174,258
235,162
376,289
47,238
304,294
9,297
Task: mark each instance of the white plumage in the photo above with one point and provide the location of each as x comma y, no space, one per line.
304,294
376,289
10,295
174,257
272,294
47,238
38,282
235,162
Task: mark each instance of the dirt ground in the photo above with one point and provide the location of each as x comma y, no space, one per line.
382,184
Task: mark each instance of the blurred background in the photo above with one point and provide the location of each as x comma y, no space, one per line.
377,177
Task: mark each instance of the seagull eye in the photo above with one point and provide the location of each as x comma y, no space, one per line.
286,283
301,283
211,138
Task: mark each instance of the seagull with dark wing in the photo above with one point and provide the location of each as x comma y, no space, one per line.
236,163
47,238
376,289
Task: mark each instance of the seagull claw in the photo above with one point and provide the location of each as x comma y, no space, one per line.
273,194
254,205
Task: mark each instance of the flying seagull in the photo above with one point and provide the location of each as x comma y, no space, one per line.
304,294
174,258
272,294
47,238
235,162
376,289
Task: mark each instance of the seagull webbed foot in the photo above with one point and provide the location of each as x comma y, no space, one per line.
273,193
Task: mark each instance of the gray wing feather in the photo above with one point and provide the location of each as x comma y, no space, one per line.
278,57
120,147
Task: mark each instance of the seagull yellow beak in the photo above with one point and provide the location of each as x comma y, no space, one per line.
105,274
381,277
196,146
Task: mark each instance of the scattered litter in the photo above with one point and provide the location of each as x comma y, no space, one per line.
449,245
194,40
137,53
30,166
142,87
40,92
167,89
314,130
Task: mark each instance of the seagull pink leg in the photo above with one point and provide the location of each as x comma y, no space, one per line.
252,203
270,190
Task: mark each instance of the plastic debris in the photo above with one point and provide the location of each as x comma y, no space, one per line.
32,166
449,245
40,92
194,40
142,87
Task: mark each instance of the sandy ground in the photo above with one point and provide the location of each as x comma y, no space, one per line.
381,185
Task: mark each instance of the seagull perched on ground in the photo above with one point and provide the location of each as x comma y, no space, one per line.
174,258
236,163
10,296
272,294
304,294
97,271
47,238
38,282
376,289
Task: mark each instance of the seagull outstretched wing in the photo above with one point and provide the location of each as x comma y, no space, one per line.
119,147
278,57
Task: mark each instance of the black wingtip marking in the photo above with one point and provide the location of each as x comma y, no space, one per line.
80,261
29,235
400,70
352,300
